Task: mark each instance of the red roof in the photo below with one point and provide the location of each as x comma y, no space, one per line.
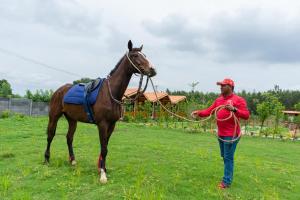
130,91
150,96
176,99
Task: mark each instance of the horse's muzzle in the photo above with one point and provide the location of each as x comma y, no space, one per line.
152,72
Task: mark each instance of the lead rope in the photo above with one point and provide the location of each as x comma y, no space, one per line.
215,110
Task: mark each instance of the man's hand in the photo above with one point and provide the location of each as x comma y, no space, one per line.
194,114
230,108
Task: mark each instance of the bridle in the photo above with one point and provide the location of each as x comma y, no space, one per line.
139,91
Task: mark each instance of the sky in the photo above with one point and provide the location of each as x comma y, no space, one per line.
255,43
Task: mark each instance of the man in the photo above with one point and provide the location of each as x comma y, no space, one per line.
227,128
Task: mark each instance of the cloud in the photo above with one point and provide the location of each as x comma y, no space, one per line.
248,35
66,17
176,30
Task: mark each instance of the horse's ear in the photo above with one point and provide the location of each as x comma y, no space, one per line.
129,45
141,47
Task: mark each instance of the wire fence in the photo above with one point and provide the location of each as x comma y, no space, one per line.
24,106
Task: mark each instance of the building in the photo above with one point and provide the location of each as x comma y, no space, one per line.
133,102
292,123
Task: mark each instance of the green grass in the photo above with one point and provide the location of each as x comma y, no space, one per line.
143,163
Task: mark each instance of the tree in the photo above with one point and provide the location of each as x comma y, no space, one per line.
193,85
28,94
277,112
297,106
82,80
5,88
267,108
264,111
39,95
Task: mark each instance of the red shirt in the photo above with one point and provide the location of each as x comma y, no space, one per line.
226,128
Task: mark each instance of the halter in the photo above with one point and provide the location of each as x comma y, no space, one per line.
139,92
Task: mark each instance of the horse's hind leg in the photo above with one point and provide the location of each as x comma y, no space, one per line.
70,135
52,124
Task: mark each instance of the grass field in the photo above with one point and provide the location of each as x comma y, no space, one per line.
143,163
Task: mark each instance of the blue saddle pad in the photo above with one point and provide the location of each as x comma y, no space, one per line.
76,94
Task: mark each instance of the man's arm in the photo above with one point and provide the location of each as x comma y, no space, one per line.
242,110
206,112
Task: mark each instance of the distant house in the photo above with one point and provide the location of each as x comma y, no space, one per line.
151,97
291,124
291,112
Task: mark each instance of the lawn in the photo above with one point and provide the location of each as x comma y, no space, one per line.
144,162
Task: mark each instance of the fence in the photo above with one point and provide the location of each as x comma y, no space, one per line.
24,106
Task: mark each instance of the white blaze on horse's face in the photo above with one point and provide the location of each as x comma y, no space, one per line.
144,56
143,64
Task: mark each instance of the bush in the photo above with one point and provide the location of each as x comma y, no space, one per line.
5,114
19,116
126,118
280,131
141,117
266,131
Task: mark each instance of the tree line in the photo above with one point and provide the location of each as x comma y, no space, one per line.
288,98
41,95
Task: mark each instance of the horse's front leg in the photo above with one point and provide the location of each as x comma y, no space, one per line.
105,131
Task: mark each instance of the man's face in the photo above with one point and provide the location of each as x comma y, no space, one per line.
226,89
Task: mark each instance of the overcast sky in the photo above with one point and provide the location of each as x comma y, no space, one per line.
256,43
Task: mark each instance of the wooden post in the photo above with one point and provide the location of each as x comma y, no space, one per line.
153,111
30,107
160,111
9,104
135,109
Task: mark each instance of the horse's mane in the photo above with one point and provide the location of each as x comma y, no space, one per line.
116,67
118,64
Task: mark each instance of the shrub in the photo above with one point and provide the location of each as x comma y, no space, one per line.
19,116
266,131
5,114
126,118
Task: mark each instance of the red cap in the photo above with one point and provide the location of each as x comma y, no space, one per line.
226,81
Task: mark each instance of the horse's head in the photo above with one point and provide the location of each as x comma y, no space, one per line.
139,61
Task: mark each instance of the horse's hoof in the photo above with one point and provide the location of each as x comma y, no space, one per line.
46,162
73,162
103,180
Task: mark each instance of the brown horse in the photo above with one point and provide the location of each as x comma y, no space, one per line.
107,108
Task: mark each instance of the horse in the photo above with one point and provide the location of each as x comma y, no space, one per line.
107,108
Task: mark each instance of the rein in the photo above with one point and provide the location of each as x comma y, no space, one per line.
139,92
216,110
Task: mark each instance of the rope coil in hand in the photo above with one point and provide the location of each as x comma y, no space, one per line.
215,111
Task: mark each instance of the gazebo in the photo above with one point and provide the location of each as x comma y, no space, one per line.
292,125
291,112
152,98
